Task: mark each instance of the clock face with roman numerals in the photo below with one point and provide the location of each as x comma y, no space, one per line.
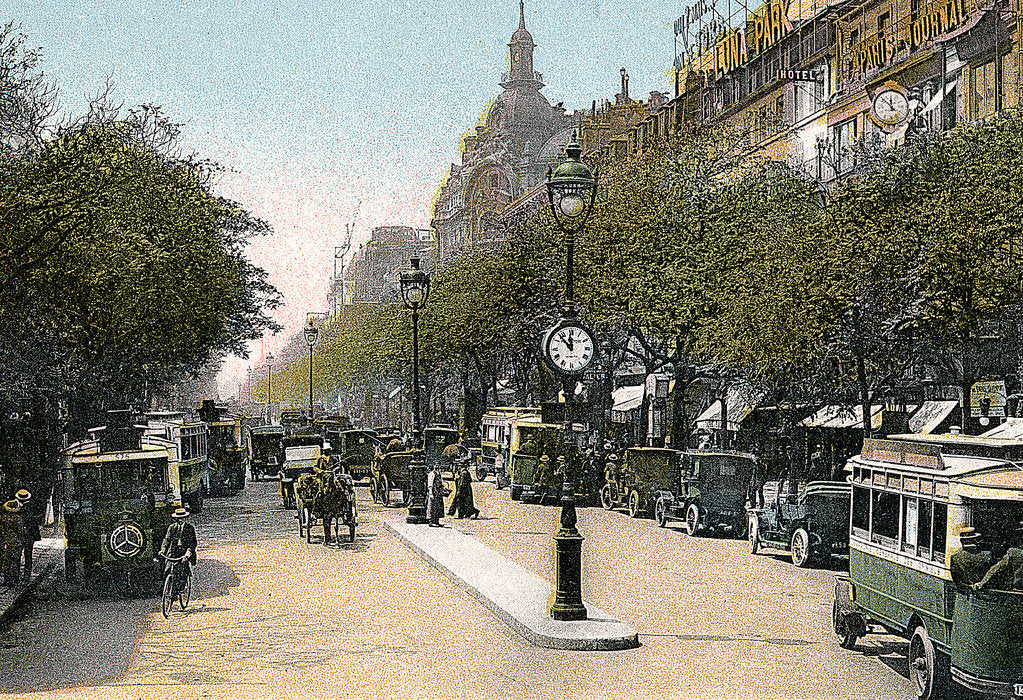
570,348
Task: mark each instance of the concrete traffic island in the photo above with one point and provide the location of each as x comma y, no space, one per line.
518,597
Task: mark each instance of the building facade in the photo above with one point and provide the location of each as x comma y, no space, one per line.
372,274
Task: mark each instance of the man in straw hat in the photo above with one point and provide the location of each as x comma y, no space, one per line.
30,518
12,533
1007,573
180,539
969,564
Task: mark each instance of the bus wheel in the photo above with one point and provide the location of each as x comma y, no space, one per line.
845,626
923,666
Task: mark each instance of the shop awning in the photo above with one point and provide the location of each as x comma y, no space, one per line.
741,402
627,398
837,417
1011,429
931,415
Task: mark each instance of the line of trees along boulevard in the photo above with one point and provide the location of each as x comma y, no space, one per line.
704,262
122,273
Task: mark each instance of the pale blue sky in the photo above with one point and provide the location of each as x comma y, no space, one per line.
315,105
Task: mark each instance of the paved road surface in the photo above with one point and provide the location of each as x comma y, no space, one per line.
274,617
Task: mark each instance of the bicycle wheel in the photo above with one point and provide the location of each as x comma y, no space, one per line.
185,594
168,594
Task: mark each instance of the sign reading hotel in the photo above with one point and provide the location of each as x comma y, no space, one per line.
765,27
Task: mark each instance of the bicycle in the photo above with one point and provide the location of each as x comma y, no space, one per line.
177,584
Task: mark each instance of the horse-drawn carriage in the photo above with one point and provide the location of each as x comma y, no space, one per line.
326,496
391,471
301,453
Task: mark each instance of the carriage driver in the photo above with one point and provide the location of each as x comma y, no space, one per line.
180,539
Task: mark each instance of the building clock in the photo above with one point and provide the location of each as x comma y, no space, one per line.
890,107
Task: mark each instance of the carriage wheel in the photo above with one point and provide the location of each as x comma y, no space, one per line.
373,489
753,533
605,497
693,520
385,490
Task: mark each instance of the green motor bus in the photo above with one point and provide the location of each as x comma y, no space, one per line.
189,454
119,489
912,495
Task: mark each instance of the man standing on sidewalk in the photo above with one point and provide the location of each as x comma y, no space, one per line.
30,518
11,536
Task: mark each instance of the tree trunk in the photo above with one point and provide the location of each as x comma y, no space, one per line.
865,402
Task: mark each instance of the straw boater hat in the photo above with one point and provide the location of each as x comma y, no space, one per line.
969,535
12,506
23,495
179,514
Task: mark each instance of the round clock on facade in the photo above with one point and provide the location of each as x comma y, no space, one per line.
890,107
569,347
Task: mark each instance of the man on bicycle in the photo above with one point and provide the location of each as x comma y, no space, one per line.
180,539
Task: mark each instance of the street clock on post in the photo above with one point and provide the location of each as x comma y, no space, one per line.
569,347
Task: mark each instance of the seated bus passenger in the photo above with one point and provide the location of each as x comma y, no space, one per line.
1007,572
969,564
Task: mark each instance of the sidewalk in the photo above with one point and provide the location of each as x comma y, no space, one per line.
516,596
46,557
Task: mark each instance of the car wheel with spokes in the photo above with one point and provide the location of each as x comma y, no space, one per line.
605,497
661,512
753,533
693,520
801,552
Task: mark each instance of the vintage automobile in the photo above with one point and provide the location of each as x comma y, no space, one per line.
355,449
301,453
119,491
435,439
710,494
530,440
294,420
189,453
636,482
265,450
227,463
811,522
391,471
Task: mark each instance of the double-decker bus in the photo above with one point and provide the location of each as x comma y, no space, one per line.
496,435
912,495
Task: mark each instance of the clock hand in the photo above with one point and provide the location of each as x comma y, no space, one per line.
568,341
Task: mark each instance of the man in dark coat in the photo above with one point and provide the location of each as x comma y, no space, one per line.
30,518
466,505
969,564
12,534
180,539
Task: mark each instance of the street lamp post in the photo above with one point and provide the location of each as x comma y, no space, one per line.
415,290
570,348
269,361
311,333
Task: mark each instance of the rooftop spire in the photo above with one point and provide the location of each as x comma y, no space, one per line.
522,14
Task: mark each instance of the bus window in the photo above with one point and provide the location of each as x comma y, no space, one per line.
910,511
861,511
885,518
923,531
940,523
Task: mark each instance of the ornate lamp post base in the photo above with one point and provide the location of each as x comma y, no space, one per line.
417,491
568,546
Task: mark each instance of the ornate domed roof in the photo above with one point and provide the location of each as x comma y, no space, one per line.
518,109
522,35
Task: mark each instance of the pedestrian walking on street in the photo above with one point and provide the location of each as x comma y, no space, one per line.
30,517
11,536
436,490
466,505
